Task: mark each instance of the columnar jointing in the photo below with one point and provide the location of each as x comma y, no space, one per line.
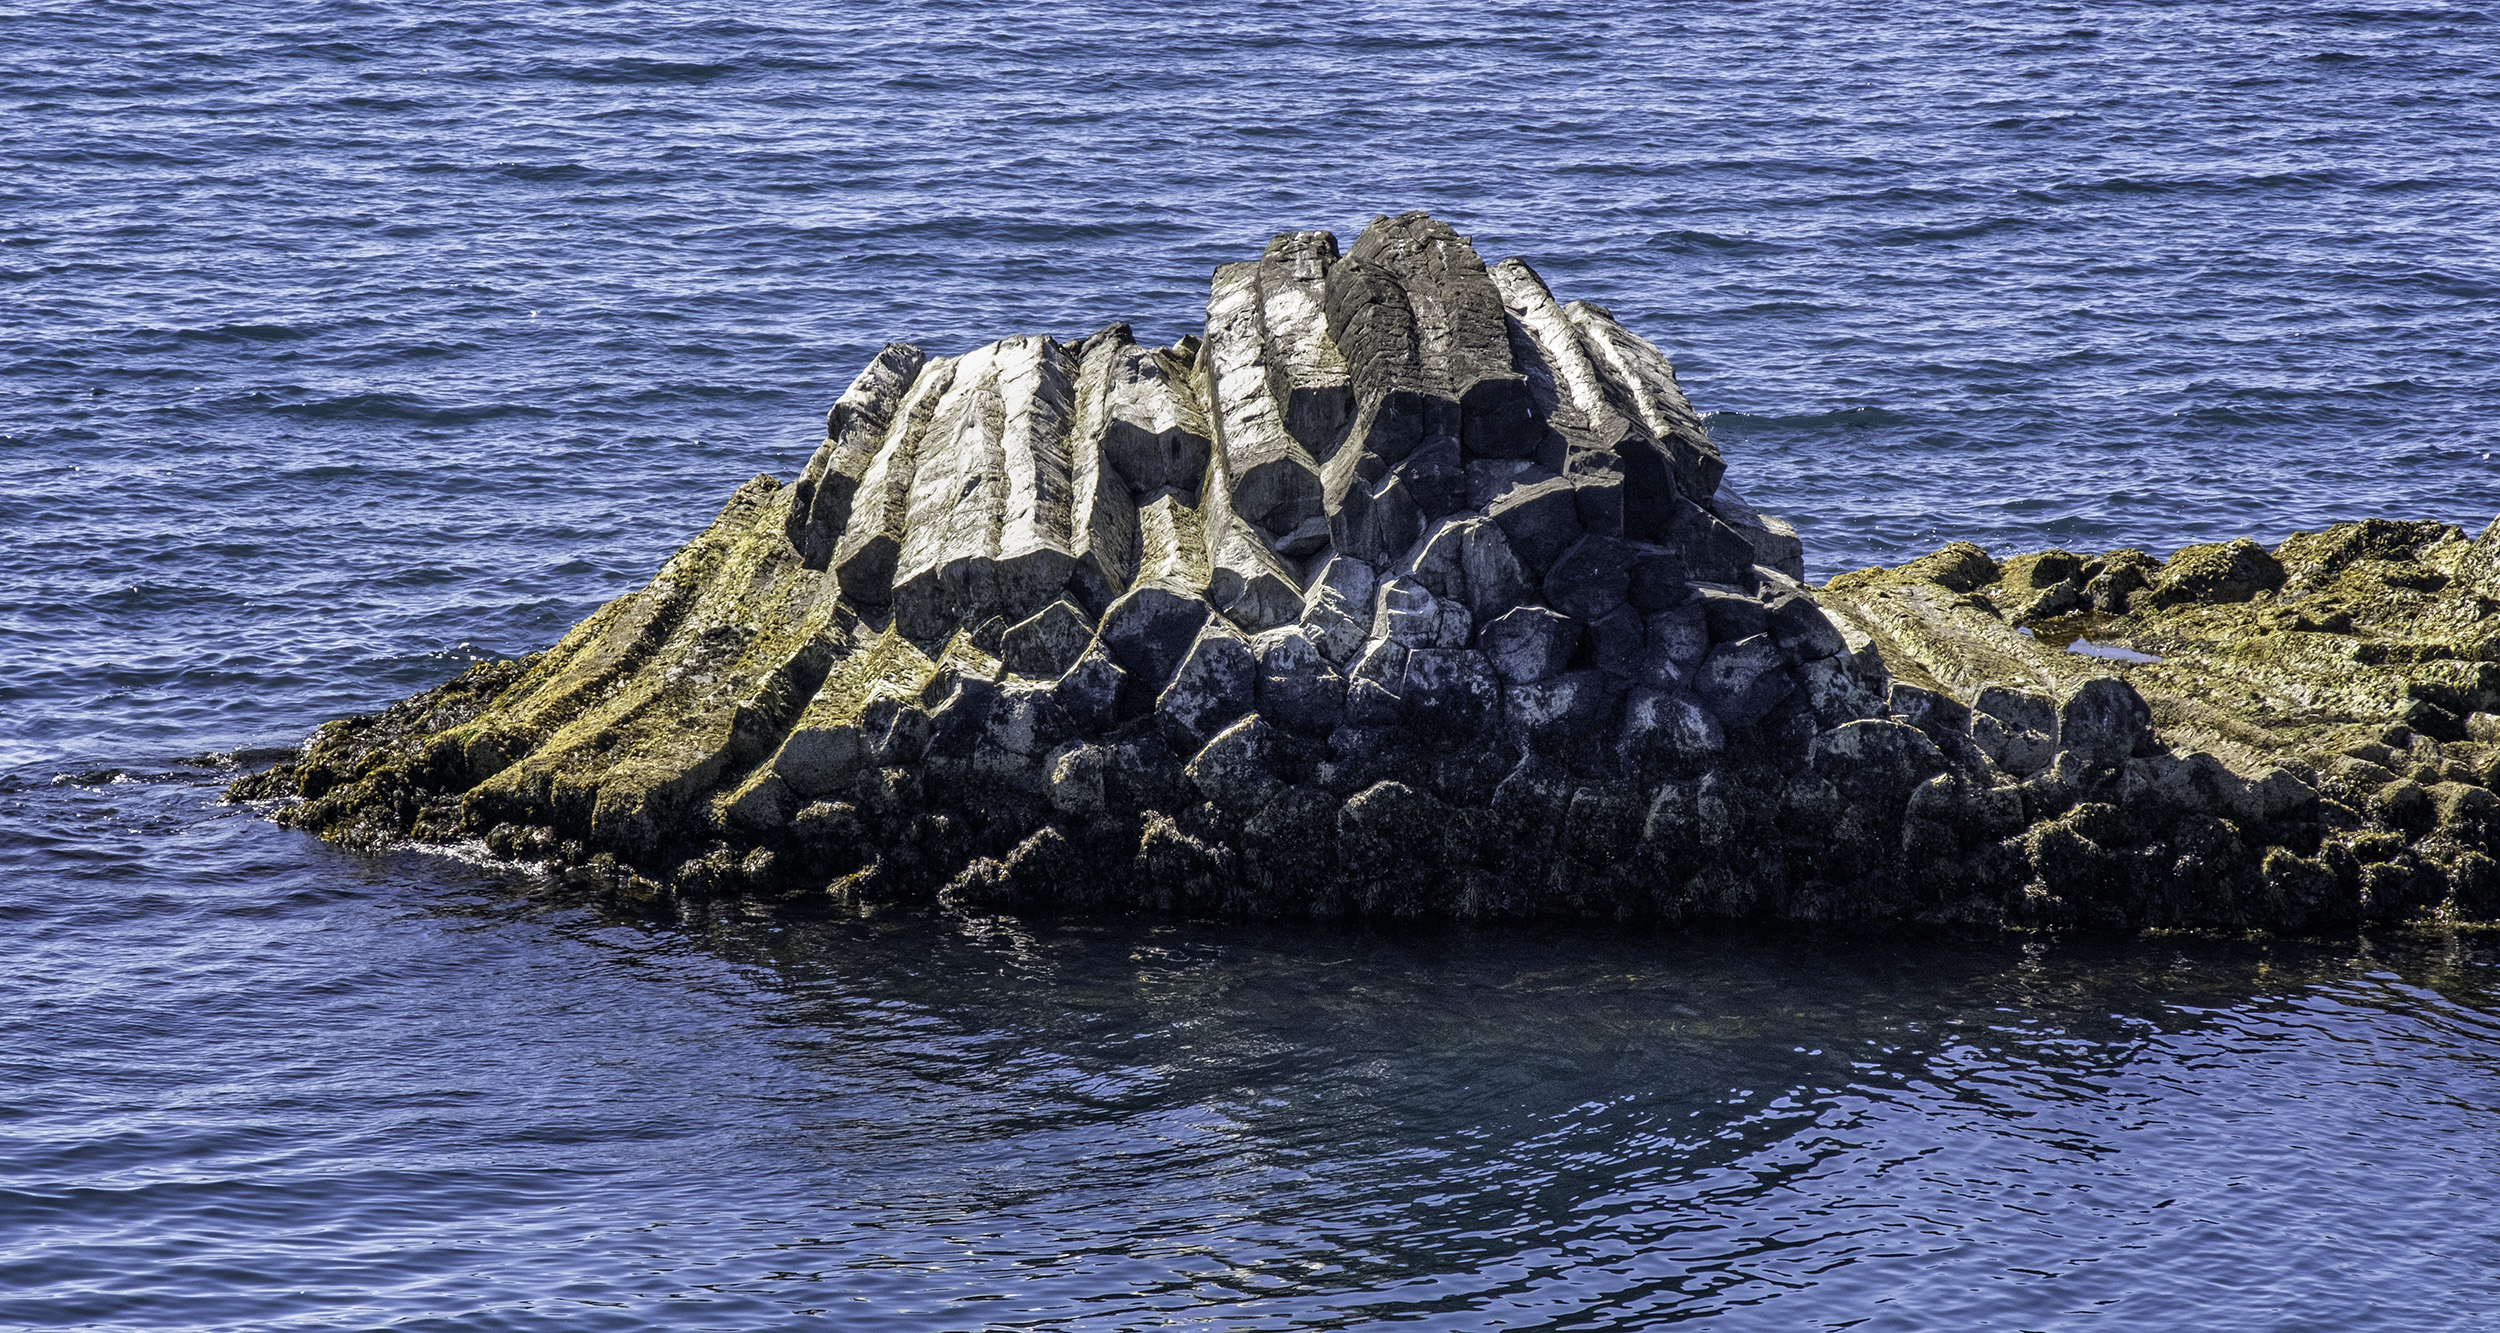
1403,589
1340,409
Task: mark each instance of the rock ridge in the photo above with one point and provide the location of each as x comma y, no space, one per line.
1406,590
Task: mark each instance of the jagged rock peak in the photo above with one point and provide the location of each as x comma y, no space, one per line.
1339,408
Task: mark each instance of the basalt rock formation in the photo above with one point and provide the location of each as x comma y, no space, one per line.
2325,710
1406,590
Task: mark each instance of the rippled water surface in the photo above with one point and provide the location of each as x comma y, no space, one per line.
344,344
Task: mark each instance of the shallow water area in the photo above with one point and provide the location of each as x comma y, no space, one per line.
344,345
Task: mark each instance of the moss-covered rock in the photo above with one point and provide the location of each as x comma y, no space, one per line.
2332,701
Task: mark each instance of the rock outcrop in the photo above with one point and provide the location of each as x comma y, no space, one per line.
2327,704
1408,590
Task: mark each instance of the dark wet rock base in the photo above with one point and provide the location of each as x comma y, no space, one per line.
1407,591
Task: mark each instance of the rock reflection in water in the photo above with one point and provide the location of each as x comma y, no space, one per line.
1468,1132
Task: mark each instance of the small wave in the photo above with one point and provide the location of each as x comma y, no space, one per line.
465,652
235,333
1705,242
2218,415
1961,231
717,28
2281,179
632,69
2124,186
680,393
2448,284
2405,16
1854,418
150,595
391,105
404,407
423,576
544,171
427,669
416,352
326,472
249,756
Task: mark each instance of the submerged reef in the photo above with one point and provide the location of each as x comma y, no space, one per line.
1406,590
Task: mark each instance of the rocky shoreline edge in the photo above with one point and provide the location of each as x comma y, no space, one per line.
1406,591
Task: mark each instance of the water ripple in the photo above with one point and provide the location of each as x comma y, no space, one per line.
348,344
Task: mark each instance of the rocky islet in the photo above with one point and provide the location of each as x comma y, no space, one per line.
1406,590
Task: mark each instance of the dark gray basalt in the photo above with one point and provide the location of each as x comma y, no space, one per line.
1405,590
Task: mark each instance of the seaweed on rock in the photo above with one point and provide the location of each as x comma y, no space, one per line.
1409,591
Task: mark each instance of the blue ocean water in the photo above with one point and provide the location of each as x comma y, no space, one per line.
342,344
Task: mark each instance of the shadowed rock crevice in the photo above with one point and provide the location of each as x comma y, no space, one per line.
1407,590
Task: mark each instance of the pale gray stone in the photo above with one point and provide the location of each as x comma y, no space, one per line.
1676,641
1049,642
1668,726
1530,643
1234,769
856,428
2017,749
1774,542
2104,721
1741,681
1558,711
1407,613
1216,683
1801,629
1298,688
1076,780
1449,691
1590,579
1090,691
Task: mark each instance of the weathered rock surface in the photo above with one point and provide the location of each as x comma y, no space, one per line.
2323,717
1407,590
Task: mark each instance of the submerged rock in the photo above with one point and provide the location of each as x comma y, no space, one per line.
1407,590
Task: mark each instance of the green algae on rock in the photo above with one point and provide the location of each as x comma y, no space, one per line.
2346,680
1407,590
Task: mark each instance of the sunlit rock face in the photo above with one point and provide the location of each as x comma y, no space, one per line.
1404,589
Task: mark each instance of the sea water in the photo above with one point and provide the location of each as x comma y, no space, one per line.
345,344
